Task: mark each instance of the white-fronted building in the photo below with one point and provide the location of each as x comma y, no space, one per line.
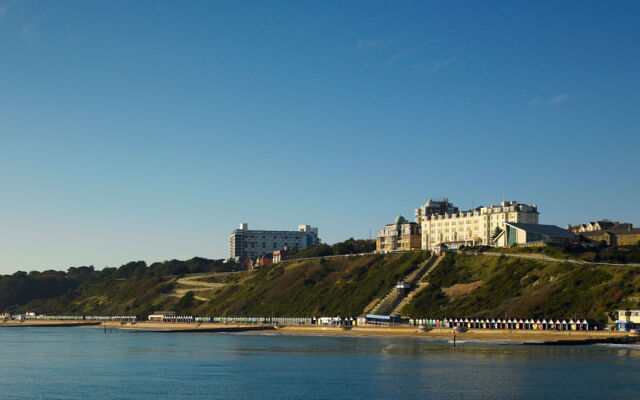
252,243
441,222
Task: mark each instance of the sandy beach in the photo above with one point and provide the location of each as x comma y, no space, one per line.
518,336
46,323
498,335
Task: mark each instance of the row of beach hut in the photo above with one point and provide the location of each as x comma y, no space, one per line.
120,318
525,324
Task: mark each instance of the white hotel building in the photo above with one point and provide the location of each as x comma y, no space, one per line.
251,243
441,222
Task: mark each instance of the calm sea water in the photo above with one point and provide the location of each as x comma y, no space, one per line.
86,363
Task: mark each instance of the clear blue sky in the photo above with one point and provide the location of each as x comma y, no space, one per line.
149,130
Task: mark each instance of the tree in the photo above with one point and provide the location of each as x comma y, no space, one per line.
186,303
495,233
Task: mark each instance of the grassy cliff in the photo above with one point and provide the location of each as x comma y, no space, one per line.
492,286
461,285
332,286
134,289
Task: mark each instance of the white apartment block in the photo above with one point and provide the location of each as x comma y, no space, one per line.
443,223
251,243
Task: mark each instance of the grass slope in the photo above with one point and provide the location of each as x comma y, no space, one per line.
336,286
489,286
136,295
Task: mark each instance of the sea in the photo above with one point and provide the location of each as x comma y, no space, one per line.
89,363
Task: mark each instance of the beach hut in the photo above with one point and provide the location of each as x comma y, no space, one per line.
509,324
520,324
544,324
563,325
484,323
527,324
585,325
572,325
494,324
478,323
578,325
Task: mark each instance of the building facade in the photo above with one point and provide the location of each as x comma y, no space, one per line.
280,255
400,236
628,319
441,222
245,243
614,237
599,226
532,234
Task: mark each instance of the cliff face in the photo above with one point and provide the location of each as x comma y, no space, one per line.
460,286
491,286
332,286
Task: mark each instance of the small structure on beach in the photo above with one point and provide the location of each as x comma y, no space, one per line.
628,320
159,316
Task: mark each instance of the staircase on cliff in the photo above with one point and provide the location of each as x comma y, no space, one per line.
416,288
394,298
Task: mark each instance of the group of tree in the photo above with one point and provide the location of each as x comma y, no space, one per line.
21,287
349,246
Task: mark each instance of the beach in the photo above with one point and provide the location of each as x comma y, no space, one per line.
498,335
47,323
512,336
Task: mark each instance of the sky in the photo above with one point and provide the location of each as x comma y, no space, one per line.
148,130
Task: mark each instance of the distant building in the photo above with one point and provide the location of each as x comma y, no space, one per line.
266,259
280,255
401,235
628,319
253,263
439,249
605,224
441,222
246,243
614,237
530,234
159,316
